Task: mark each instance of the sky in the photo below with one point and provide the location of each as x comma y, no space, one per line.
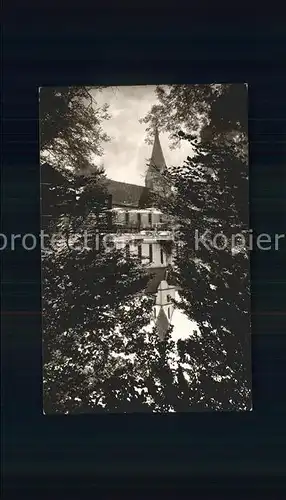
126,155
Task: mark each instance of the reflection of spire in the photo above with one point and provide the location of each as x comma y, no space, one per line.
162,323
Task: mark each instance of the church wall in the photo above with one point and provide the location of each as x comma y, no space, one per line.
155,218
156,257
159,255
163,300
169,309
145,250
144,220
156,253
164,291
159,259
119,217
132,218
156,310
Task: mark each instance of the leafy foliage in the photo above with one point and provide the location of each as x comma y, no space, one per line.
211,194
205,111
85,298
86,291
70,127
98,356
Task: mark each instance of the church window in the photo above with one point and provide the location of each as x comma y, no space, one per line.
169,312
168,298
150,218
139,218
154,312
127,217
150,252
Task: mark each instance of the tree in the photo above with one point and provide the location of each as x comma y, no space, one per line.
98,354
214,280
71,127
84,302
93,309
208,112
211,193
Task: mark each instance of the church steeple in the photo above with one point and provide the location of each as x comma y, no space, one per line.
157,165
157,157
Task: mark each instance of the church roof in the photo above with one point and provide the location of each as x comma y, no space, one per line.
128,195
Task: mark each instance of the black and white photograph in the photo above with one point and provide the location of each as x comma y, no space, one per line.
145,245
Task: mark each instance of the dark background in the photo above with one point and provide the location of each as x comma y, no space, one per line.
73,46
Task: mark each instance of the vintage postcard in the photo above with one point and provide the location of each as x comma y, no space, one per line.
145,249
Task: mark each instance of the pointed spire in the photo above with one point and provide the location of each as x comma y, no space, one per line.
157,165
157,157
